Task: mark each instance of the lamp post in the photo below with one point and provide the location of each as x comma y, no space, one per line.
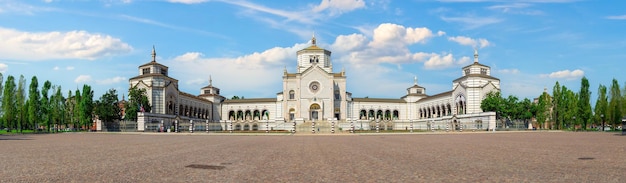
602,118
411,125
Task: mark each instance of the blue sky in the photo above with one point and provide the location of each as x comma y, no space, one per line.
244,45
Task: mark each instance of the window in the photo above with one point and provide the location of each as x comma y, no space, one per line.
337,96
314,86
164,72
467,71
483,71
207,91
292,94
145,71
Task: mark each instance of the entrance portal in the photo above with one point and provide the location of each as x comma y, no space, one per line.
314,111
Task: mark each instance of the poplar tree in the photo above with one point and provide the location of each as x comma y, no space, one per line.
45,104
615,104
76,112
34,113
20,99
556,98
8,103
543,109
602,104
86,106
584,105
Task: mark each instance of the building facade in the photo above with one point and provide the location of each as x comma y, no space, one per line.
315,98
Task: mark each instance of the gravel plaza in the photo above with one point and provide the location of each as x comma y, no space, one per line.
416,157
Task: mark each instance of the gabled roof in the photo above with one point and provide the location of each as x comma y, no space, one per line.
476,64
476,75
436,96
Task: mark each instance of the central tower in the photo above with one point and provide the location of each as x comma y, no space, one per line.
314,92
314,56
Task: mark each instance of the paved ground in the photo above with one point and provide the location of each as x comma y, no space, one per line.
467,157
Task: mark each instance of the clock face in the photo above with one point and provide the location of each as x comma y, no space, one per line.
314,86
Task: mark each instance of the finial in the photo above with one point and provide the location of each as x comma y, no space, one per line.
475,55
285,69
545,90
415,80
313,39
210,81
153,54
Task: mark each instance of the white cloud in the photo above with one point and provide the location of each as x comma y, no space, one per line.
187,1
59,45
345,43
82,79
388,34
69,68
437,61
249,68
467,41
566,74
617,17
339,6
3,67
56,68
471,22
113,80
441,33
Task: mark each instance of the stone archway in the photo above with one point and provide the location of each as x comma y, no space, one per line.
314,112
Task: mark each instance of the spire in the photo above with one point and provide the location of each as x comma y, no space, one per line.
313,39
153,54
210,81
475,55
415,80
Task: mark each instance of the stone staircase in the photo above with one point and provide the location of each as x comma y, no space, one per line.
321,127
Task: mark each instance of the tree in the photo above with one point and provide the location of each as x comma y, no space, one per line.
8,103
1,99
615,104
20,100
137,99
602,104
86,105
57,106
543,109
527,110
45,104
584,105
493,102
34,114
76,112
556,98
70,104
106,108
571,117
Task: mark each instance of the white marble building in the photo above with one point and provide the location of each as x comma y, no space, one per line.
315,98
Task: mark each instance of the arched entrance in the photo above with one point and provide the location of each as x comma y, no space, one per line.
314,111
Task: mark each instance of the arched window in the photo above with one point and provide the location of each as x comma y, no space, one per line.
396,114
292,94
